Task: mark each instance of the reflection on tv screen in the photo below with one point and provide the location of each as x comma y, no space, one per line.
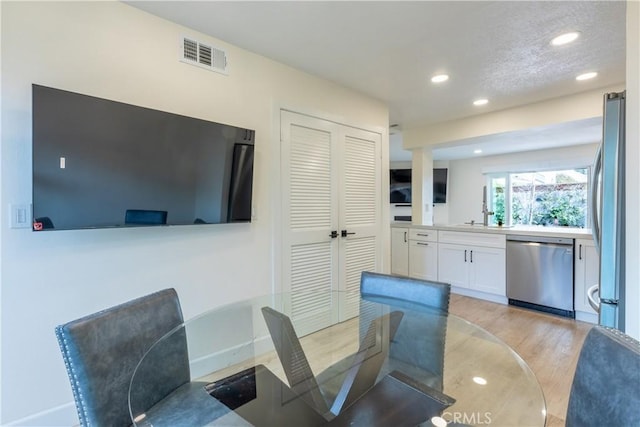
100,163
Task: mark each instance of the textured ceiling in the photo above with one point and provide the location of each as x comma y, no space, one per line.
390,49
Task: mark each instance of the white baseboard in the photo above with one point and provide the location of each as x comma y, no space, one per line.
587,317
229,356
480,295
60,416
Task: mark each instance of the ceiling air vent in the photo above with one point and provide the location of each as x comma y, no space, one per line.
203,55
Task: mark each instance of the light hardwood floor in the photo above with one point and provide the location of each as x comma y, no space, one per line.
549,344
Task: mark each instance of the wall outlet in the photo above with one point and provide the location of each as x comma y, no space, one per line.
20,216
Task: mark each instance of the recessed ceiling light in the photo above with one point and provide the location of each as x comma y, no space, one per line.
478,151
565,38
587,76
439,78
479,102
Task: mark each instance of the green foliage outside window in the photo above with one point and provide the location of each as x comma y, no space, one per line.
564,205
542,198
498,206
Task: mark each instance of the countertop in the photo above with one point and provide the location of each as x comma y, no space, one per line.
527,230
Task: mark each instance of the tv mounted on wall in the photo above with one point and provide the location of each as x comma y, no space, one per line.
401,186
99,163
440,185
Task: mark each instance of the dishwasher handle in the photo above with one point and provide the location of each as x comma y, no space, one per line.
540,239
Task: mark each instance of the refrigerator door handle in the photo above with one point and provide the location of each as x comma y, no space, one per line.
592,293
595,197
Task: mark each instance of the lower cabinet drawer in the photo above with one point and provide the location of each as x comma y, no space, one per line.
488,240
422,234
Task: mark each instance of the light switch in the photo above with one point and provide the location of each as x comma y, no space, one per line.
63,162
20,216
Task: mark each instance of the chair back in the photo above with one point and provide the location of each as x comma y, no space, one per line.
102,350
413,291
428,302
145,217
606,385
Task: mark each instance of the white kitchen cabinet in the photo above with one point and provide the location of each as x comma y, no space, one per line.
400,251
480,268
487,270
586,268
453,265
423,254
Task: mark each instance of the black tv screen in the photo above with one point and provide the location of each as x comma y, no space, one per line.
99,163
400,186
440,185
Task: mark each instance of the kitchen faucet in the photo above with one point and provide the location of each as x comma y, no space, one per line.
485,211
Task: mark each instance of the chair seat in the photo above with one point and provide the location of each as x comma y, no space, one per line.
190,405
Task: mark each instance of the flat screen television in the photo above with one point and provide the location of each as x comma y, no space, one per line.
440,185
99,163
400,186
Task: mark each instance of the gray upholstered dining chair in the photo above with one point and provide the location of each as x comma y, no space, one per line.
417,349
102,350
420,357
606,385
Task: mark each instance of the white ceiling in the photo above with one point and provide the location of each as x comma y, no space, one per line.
390,49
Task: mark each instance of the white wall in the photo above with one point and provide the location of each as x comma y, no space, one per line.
632,170
467,176
114,51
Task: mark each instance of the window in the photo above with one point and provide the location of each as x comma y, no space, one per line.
540,198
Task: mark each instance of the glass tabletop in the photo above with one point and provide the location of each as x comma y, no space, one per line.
338,360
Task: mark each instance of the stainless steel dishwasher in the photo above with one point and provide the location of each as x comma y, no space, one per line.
540,273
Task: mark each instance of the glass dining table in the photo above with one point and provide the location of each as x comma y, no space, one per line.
334,358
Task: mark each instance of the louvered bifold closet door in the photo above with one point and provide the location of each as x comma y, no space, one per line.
360,212
310,213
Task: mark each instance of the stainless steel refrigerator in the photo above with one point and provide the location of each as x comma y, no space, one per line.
608,215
